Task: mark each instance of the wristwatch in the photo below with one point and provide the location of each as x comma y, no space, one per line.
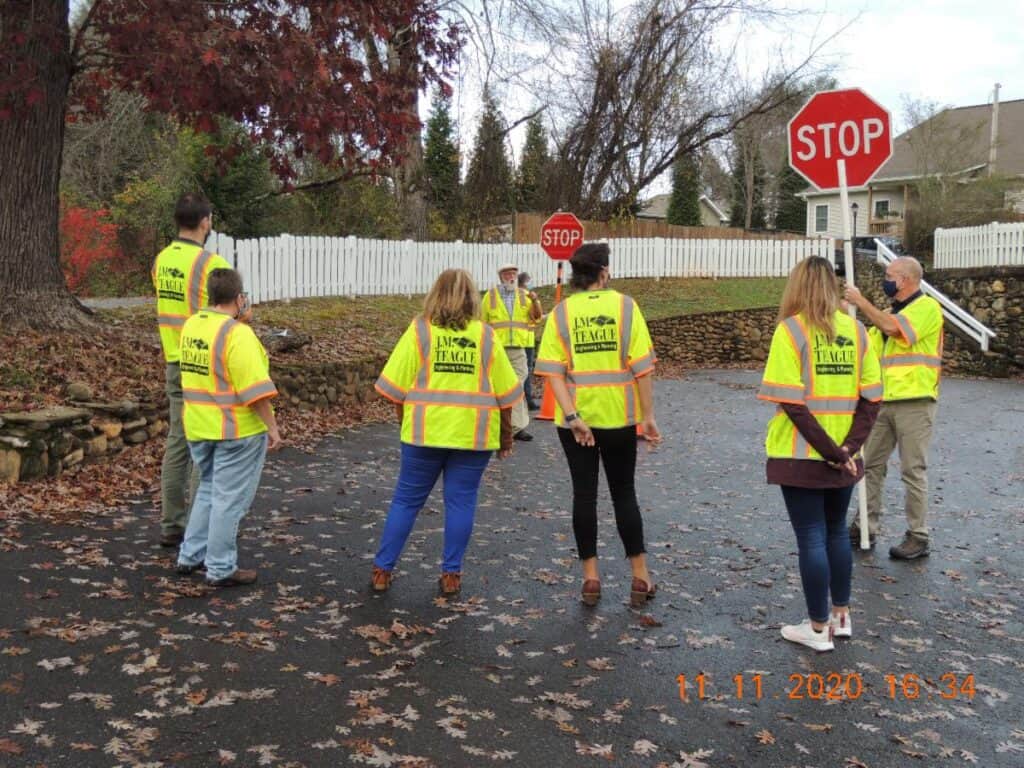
571,417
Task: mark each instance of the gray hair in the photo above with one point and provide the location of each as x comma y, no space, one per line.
910,268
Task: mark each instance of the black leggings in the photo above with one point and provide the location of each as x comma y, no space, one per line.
616,448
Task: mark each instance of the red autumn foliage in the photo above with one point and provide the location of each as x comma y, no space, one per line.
88,245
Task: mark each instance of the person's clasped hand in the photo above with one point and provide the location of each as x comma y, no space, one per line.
849,464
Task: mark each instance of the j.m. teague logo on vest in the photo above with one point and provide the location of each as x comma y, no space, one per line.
594,333
195,355
172,283
455,354
836,359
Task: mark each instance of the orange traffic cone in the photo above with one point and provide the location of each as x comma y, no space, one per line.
547,404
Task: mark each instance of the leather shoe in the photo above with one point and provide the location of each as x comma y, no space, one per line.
237,579
640,592
171,539
591,592
522,435
450,583
381,579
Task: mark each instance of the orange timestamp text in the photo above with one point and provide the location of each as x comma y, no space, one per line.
830,686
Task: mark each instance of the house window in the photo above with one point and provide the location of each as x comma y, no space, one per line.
881,209
821,218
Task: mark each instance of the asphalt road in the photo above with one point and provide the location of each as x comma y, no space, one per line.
108,659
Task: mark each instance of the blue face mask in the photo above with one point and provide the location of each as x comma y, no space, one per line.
889,287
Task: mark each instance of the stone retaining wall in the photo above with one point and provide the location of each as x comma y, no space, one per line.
322,385
715,338
50,441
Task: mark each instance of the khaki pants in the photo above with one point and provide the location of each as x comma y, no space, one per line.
178,478
908,425
520,414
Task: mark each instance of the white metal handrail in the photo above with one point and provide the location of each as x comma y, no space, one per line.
962,319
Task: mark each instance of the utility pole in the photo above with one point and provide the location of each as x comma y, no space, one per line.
994,138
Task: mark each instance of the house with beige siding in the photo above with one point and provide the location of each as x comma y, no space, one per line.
957,142
711,214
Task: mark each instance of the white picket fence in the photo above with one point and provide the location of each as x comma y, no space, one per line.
986,246
293,267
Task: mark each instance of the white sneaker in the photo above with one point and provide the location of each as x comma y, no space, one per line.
842,625
805,634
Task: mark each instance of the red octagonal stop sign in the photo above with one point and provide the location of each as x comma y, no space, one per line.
561,235
843,125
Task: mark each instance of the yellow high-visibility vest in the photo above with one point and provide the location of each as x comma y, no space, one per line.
224,370
912,361
804,367
452,384
179,277
512,331
599,342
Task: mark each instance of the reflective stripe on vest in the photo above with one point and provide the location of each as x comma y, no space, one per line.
195,280
224,398
893,361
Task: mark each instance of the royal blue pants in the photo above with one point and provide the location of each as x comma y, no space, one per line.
818,517
463,470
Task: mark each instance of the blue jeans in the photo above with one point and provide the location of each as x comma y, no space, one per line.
229,473
463,470
818,517
531,360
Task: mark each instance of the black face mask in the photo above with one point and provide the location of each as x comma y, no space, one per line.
890,288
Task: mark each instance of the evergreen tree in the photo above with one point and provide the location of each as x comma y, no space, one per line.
684,205
747,183
489,189
534,167
791,215
441,160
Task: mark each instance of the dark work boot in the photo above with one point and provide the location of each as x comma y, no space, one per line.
910,548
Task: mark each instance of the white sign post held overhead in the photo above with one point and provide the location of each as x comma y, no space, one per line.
842,137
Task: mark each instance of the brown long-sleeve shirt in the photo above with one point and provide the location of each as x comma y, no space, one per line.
811,473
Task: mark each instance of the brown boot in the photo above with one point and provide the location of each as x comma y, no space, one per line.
237,579
910,548
591,592
381,579
450,583
640,592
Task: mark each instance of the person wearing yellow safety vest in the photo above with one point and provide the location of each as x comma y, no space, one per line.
909,342
526,284
454,389
510,311
229,424
825,380
180,272
597,355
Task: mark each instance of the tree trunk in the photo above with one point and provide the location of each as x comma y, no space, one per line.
410,194
33,292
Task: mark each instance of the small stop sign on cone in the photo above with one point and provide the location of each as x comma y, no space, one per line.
561,235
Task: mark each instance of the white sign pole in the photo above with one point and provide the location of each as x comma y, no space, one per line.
844,204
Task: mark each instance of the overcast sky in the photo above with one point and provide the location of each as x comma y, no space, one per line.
946,51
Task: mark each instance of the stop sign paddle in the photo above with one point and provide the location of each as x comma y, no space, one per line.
838,131
561,235
839,138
